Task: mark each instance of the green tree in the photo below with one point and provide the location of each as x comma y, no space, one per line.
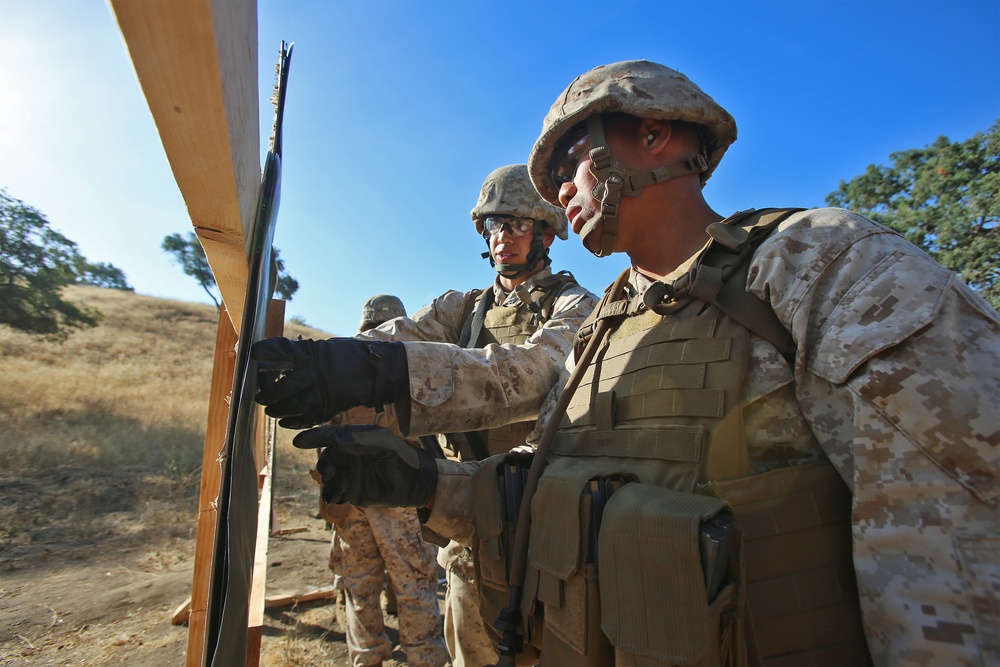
102,275
945,198
36,263
285,286
191,256
189,253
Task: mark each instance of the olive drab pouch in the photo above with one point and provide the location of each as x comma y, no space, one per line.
654,545
498,485
573,493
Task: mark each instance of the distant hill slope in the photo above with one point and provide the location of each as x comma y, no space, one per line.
131,391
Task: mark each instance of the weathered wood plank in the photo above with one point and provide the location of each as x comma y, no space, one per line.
197,64
266,442
211,481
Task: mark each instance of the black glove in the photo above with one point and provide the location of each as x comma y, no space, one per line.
370,466
308,382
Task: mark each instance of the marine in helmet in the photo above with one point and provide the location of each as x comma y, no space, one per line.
381,547
477,367
378,309
836,333
846,331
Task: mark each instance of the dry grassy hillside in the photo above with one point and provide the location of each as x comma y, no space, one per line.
131,391
100,451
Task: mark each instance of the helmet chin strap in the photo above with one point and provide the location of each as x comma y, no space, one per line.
537,253
615,179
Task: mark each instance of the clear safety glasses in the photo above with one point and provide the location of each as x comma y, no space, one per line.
514,226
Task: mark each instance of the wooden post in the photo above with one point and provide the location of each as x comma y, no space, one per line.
211,478
196,61
211,482
265,469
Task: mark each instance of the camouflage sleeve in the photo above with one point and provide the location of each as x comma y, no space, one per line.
440,321
898,374
456,389
454,519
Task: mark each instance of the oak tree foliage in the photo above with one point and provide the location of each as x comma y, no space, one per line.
36,263
944,198
190,255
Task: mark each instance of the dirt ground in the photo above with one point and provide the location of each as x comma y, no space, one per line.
94,564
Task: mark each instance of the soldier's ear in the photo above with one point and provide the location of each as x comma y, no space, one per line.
655,134
548,235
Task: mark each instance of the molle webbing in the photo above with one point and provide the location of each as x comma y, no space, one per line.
495,324
665,390
515,324
797,566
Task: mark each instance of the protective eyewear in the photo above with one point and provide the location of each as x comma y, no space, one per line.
568,154
515,226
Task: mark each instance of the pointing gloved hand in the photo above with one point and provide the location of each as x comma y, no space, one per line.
370,466
308,382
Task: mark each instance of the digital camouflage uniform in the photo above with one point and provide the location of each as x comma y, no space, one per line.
895,380
369,541
890,380
522,347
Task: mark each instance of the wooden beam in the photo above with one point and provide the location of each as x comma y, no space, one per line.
197,64
307,594
266,442
211,481
255,619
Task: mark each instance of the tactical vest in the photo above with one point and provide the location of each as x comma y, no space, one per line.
652,448
513,325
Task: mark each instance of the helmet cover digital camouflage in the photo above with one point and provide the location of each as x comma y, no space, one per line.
637,87
381,308
508,191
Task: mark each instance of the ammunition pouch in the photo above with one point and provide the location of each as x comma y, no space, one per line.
498,486
655,564
651,606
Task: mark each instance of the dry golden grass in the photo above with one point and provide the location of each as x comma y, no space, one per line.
101,444
132,391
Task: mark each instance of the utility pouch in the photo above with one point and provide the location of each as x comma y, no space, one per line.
566,514
654,600
498,486
489,518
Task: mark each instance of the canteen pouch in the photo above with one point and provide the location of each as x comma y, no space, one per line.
654,602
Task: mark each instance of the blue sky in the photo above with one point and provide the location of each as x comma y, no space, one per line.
397,111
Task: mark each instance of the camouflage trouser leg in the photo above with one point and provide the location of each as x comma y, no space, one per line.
412,567
356,558
468,642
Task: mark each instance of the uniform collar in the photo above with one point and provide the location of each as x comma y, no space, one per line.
502,296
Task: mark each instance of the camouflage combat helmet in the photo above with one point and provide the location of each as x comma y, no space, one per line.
380,308
642,89
508,191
